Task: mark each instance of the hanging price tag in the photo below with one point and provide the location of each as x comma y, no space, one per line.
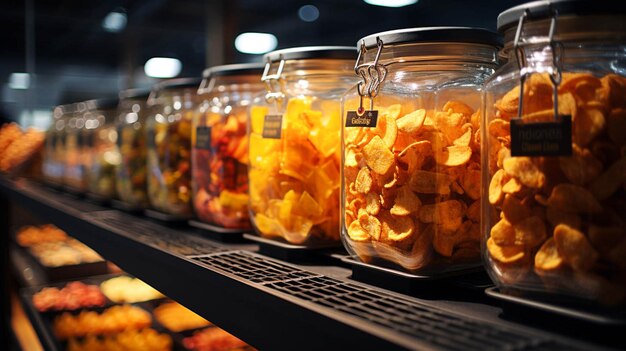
368,119
203,138
272,126
541,139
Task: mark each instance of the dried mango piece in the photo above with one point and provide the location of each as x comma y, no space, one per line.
496,195
377,156
556,216
267,226
513,209
573,199
406,202
307,206
548,258
530,232
588,125
502,233
453,106
398,231
471,183
300,229
604,239
608,182
447,214
411,122
363,182
616,126
581,167
499,128
574,247
372,203
357,233
370,224
525,171
426,182
505,254
453,155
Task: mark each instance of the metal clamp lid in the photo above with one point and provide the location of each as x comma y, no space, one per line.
272,83
372,74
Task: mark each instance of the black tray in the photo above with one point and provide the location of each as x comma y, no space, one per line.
123,206
290,252
471,276
66,272
225,235
165,217
511,303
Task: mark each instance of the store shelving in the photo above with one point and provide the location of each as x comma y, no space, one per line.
275,305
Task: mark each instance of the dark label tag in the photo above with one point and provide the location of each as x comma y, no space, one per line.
203,138
368,119
272,126
542,139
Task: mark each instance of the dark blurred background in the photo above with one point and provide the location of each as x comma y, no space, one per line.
61,51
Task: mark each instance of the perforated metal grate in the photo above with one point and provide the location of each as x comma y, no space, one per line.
172,240
438,328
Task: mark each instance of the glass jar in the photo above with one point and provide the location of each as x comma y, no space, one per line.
411,149
220,145
171,109
555,155
101,137
76,153
52,166
131,179
294,147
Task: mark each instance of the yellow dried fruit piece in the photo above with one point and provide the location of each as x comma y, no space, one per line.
513,186
392,111
588,125
411,122
616,126
505,254
582,167
499,128
548,258
372,203
513,209
406,202
370,224
556,216
453,155
573,199
398,231
357,233
495,187
458,107
525,171
608,182
363,183
448,214
502,233
574,247
426,182
471,183
530,232
377,156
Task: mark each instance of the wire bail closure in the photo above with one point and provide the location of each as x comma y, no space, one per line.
372,75
555,72
272,81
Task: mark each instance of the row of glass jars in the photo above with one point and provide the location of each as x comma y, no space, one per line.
386,154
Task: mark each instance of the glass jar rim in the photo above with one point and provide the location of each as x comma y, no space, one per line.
468,35
135,93
312,52
234,70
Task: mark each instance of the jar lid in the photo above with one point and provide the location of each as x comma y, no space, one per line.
433,34
544,9
178,83
102,104
137,93
312,52
234,70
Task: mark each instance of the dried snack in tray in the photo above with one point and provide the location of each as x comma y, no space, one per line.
111,321
146,339
26,147
563,213
72,296
213,339
176,317
124,289
31,235
414,176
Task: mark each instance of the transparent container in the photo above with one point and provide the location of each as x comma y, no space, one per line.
76,153
411,146
131,179
294,143
556,204
52,166
100,135
171,109
220,145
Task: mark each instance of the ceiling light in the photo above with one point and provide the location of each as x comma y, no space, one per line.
114,22
391,3
162,67
255,43
19,80
308,13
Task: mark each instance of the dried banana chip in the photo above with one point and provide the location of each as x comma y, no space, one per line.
370,224
582,167
411,122
447,214
453,106
505,254
608,182
363,183
471,183
548,258
513,186
513,209
453,155
372,203
499,128
530,232
525,171
357,233
574,199
496,195
426,182
502,233
588,125
398,231
406,202
378,156
574,247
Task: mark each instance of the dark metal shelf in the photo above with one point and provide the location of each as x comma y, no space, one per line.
274,305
